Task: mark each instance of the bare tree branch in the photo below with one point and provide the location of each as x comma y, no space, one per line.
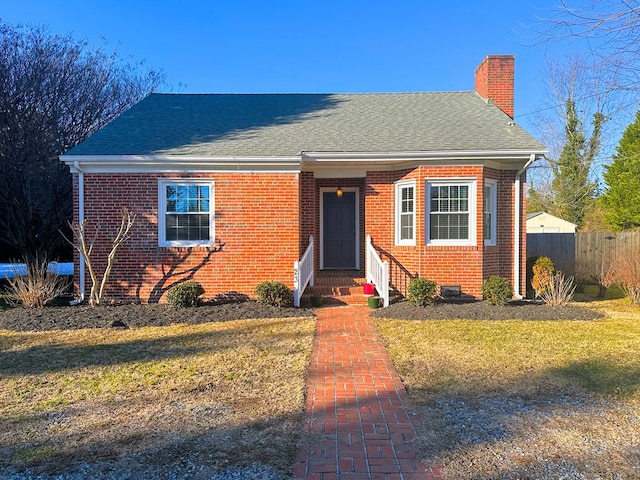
127,219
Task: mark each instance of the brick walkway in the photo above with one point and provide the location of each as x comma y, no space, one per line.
356,406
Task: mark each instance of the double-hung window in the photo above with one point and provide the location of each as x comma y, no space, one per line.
451,212
186,213
489,212
405,213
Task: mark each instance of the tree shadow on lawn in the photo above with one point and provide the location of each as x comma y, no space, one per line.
56,358
43,359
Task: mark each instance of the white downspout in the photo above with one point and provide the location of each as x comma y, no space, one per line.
81,265
518,215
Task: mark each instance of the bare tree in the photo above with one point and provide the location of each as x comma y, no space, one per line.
54,92
573,126
84,246
609,30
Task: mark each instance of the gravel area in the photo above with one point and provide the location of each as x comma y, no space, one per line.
515,438
135,470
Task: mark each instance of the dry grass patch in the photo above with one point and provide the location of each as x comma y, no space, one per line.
525,399
198,398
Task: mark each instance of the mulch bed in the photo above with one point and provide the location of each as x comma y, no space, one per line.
136,315
145,315
477,310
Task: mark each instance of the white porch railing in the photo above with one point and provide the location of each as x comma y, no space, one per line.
377,272
303,273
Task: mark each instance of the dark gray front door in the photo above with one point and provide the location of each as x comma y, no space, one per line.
339,227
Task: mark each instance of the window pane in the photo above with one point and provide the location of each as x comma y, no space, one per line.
187,215
449,226
487,226
406,227
449,212
407,200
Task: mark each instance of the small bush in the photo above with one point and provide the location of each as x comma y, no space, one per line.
34,286
185,294
624,272
543,272
496,290
421,291
559,291
274,293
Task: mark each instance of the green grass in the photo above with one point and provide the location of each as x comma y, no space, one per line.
228,393
581,380
610,293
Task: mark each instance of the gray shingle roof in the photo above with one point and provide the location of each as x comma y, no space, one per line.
288,124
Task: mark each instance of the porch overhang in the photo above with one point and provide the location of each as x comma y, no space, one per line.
356,164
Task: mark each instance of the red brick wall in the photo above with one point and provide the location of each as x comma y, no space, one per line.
256,218
265,221
467,266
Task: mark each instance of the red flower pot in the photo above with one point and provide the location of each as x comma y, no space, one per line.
369,288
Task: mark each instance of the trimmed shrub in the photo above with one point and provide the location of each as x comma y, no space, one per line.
274,293
421,291
497,290
185,294
543,272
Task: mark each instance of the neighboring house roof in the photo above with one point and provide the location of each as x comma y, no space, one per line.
290,124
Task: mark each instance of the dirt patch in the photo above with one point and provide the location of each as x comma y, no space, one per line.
480,310
137,316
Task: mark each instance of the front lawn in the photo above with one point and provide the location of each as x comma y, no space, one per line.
179,401
514,399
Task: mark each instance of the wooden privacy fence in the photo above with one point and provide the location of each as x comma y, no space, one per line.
583,254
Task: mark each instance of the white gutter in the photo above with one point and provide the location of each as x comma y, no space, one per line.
420,155
81,265
518,215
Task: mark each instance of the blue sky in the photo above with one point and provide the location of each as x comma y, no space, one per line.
327,46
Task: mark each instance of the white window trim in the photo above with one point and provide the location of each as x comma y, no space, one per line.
162,211
493,192
398,213
471,183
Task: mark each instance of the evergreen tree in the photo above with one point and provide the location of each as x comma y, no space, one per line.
573,191
621,198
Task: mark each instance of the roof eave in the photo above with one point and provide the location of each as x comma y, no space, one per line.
180,163
292,163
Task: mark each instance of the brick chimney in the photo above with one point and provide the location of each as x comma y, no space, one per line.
494,81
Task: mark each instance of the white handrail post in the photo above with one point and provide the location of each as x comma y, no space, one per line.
303,273
385,285
377,271
312,260
368,259
296,283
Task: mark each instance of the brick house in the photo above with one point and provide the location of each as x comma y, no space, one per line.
231,189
